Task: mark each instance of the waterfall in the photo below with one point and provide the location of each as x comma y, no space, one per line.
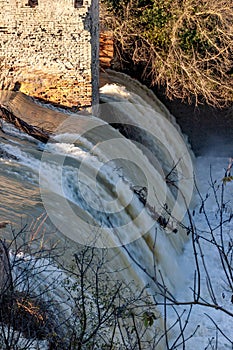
92,176
121,180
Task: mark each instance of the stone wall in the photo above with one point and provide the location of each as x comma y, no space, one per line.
106,49
50,49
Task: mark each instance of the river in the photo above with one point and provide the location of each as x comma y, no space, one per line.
125,174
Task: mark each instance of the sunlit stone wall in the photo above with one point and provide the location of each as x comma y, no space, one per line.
49,49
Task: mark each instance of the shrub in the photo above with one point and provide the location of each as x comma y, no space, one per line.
184,45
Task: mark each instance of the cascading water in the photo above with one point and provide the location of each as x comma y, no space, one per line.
91,178
121,181
91,168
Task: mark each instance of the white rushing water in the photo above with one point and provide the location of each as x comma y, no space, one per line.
109,189
212,327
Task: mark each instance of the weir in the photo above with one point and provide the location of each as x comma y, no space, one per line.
120,181
153,155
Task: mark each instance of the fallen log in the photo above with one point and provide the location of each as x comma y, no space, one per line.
37,133
30,116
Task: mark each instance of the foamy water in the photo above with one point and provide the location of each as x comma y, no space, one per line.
87,181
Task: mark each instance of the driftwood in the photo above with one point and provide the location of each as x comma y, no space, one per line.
33,131
29,116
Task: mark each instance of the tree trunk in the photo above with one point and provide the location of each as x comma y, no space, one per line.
5,269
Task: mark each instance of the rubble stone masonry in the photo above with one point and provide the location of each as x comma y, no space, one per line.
50,49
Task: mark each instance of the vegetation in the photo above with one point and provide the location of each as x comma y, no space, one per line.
184,45
85,305
46,303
